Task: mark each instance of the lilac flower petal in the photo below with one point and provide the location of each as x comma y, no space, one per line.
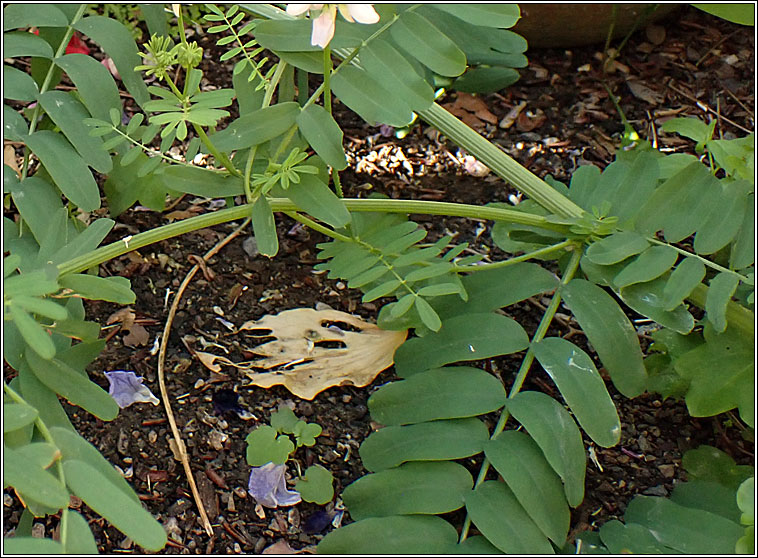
268,487
126,388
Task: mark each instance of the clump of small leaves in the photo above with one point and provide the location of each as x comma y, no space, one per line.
275,444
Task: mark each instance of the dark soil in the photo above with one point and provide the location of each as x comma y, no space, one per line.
568,120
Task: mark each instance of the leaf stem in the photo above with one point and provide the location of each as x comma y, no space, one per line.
526,364
218,155
706,262
522,258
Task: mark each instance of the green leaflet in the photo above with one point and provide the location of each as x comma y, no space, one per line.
707,463
107,500
421,39
721,375
743,249
720,292
722,225
492,15
201,182
427,441
685,277
34,335
73,385
439,393
681,204
42,454
314,197
17,415
630,539
94,83
112,289
584,182
37,200
32,546
380,58
647,299
486,80
557,435
684,529
367,96
43,399
624,184
616,247
264,228
67,168
581,386
117,42
652,263
533,482
77,537
411,488
16,16
18,85
15,128
492,289
257,127
610,332
710,496
69,114
23,43
412,534
324,134
123,186
466,337
30,478
498,515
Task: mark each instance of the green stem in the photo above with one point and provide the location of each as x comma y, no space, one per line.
248,173
706,262
524,257
218,155
526,364
46,82
273,83
317,226
118,248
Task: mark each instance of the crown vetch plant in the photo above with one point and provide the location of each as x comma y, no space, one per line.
285,157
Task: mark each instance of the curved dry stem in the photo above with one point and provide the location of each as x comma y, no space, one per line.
181,449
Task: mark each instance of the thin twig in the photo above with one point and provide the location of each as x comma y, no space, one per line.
705,107
182,450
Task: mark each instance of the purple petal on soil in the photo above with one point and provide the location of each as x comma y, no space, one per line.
316,522
268,487
126,388
386,130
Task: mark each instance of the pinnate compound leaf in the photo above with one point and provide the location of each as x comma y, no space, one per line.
686,530
466,337
32,479
437,440
117,42
720,292
411,488
557,435
316,485
581,386
410,534
533,482
77,538
686,276
421,39
498,515
67,168
616,247
323,133
610,332
73,385
439,393
112,289
107,500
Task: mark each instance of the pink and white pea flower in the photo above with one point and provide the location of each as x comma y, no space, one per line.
323,25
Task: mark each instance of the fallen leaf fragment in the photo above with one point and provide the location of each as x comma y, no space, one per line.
644,93
302,359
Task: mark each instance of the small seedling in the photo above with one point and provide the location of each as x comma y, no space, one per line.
276,444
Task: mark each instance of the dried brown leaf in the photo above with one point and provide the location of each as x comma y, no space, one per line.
298,360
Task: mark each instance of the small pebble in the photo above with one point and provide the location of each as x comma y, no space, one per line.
152,436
